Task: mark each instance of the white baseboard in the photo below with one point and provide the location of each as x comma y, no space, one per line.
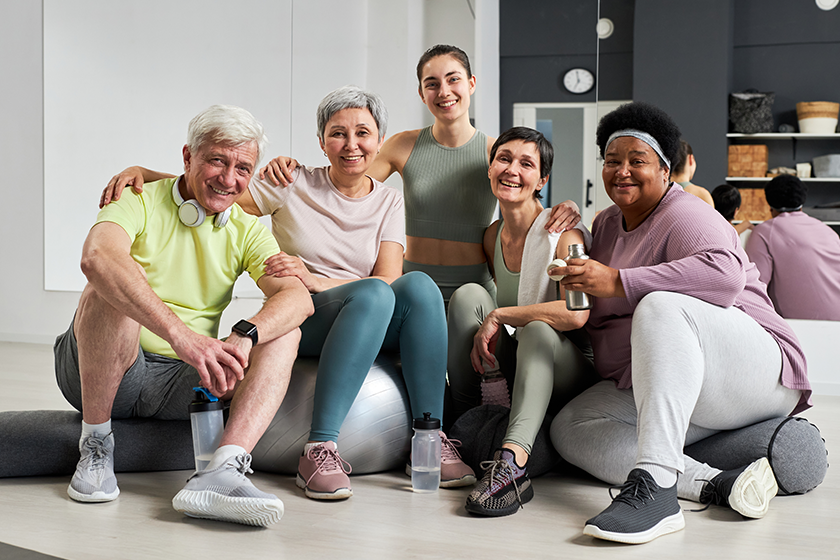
29,338
819,340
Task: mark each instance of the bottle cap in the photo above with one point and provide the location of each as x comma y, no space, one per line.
205,401
427,422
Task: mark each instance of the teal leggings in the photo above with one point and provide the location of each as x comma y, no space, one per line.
353,323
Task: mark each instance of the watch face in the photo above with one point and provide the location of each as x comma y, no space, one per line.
578,80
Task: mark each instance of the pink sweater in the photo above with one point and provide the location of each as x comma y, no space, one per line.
798,257
684,246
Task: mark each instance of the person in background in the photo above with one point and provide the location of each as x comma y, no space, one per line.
684,335
161,266
797,256
683,173
448,200
549,360
727,202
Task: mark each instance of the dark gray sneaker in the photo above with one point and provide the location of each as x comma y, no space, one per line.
642,511
503,489
225,494
94,479
747,490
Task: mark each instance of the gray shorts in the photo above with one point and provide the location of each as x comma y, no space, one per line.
154,386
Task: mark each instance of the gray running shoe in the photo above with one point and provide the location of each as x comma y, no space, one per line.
225,494
94,479
642,511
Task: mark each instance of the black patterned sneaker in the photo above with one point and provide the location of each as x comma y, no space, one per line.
747,490
225,494
641,512
94,479
503,489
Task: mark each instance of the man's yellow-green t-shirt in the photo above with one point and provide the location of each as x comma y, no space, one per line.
191,269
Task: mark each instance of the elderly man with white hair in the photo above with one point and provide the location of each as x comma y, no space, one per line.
160,267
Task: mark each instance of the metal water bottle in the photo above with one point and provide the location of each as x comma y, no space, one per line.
425,454
577,301
208,424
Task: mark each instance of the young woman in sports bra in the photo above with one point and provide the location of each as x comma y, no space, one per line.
448,200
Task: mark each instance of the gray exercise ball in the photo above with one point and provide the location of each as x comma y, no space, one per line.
375,436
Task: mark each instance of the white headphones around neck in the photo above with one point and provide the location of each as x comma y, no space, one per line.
192,214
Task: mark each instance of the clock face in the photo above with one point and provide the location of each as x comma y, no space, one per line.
578,80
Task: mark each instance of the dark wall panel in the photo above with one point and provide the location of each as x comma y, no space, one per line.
539,28
802,72
540,40
778,22
686,73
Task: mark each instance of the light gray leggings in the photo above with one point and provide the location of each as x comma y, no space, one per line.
697,369
544,367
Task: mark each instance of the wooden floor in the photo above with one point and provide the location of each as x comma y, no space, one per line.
383,519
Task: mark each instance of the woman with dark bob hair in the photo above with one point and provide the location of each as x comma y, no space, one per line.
684,335
548,360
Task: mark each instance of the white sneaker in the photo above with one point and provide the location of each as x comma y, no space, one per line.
94,479
225,494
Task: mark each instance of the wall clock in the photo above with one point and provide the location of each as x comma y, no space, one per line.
578,80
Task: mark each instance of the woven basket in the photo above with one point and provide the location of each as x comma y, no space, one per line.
817,110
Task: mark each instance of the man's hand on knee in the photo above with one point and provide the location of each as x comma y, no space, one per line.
219,364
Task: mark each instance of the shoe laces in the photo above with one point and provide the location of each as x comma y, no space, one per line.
97,454
328,460
243,463
635,492
500,472
448,451
715,492
240,463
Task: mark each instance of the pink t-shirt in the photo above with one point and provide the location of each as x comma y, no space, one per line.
798,257
336,236
684,246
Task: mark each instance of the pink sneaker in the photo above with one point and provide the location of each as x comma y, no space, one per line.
322,473
453,471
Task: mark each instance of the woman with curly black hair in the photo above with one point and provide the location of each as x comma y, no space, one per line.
683,334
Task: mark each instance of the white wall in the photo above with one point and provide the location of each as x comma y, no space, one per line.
372,43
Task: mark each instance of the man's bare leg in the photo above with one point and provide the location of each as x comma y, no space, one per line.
222,491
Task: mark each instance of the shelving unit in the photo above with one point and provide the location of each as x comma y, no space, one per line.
822,189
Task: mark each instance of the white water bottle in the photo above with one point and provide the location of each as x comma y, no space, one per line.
425,454
208,424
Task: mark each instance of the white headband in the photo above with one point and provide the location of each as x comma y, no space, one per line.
644,137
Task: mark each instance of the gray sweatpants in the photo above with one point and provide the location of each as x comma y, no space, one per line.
697,369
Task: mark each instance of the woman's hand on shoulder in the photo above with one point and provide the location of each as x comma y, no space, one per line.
129,177
284,265
564,216
279,170
592,277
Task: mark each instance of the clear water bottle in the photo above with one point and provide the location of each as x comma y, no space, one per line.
208,424
577,301
425,454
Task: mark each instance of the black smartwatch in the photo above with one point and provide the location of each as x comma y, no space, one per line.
244,328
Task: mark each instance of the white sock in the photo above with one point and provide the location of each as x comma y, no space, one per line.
310,445
100,430
664,476
224,453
